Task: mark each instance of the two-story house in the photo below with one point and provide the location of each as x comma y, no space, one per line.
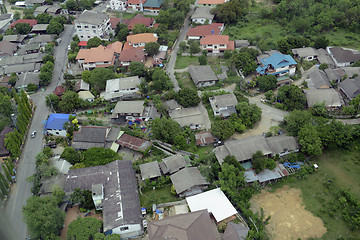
199,32
216,43
91,24
136,5
121,88
119,5
211,3
277,64
130,55
130,110
139,40
223,105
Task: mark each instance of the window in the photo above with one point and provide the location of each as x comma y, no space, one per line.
94,31
222,45
86,26
93,27
78,26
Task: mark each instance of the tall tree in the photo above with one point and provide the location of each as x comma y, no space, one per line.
310,141
187,97
83,228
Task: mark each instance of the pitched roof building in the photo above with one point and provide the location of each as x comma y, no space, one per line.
90,136
150,170
211,3
173,164
139,40
204,30
203,75
202,15
133,143
223,105
330,97
306,53
318,79
204,138
188,181
277,64
3,151
350,87
130,55
7,48
55,124
216,43
120,88
139,19
31,22
235,231
343,57
191,116
128,109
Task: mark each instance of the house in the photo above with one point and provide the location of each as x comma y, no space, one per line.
282,145
153,6
139,19
235,231
329,96
19,39
150,170
266,175
139,40
187,226
210,3
171,105
204,138
20,68
202,15
22,59
91,24
277,64
336,75
215,202
55,124
31,3
114,190
325,58
5,82
54,9
31,22
136,5
188,181
131,55
3,151
130,110
223,105
199,32
160,57
118,5
133,143
203,76
59,91
173,163
40,10
343,57
120,88
216,43
90,136
24,79
191,116
32,48
318,79
81,86
43,39
86,96
7,48
306,53
241,43
114,21
5,20
39,29
350,87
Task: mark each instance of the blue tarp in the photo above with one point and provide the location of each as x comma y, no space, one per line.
56,121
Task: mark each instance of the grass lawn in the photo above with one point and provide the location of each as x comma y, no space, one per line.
185,80
159,195
215,63
343,168
185,61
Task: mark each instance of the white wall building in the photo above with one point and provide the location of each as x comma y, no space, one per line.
92,24
118,5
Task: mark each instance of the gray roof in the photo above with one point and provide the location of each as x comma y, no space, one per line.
89,136
39,27
202,74
203,12
5,16
342,55
349,71
7,48
150,170
350,87
318,79
324,57
85,95
32,46
26,78
14,38
223,101
334,74
82,86
305,52
19,59
117,84
42,9
113,134
27,2
123,107
221,153
282,143
329,96
187,178
235,231
187,116
241,43
121,201
266,175
53,9
172,104
189,226
173,164
45,38
91,17
19,68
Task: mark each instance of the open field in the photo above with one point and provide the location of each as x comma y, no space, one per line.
185,61
340,167
159,195
185,80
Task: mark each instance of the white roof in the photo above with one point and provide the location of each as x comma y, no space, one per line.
215,201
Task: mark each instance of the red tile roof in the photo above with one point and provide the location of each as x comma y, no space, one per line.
59,90
132,55
142,38
204,30
135,2
114,21
82,44
138,19
213,2
134,143
31,22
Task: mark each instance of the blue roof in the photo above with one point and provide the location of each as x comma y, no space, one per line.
277,60
153,3
57,120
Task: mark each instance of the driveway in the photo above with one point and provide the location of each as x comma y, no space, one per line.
26,166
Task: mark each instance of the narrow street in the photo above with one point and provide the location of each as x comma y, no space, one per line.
26,166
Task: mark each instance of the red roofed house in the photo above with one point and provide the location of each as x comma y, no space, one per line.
204,30
82,44
135,5
139,40
31,22
114,21
133,143
204,138
139,19
210,3
131,55
216,43
59,91
100,56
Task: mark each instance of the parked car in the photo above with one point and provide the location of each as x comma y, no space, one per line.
51,145
33,134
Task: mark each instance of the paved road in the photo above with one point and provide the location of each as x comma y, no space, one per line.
26,167
171,63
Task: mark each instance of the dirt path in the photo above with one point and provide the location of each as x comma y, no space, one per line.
289,219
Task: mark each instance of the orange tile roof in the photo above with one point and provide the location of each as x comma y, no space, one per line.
142,38
98,54
116,46
211,2
31,22
114,21
204,30
135,1
132,55
215,39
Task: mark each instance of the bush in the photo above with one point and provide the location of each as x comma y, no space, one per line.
187,97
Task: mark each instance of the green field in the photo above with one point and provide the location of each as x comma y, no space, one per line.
343,169
185,80
159,195
185,61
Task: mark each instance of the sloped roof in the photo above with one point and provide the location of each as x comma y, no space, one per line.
85,95
114,21
173,164
132,55
187,178
56,121
142,38
203,12
266,175
235,232
215,39
91,17
89,136
134,143
81,85
212,2
215,201
98,54
329,96
351,87
282,143
204,30
202,74
189,226
203,138
116,47
150,170
305,52
342,55
59,90
31,22
44,38
187,116
153,3
318,79
138,19
8,48
117,84
3,150
27,78
223,101
123,107
39,27
276,60
14,38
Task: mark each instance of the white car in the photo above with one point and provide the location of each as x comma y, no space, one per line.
262,100
69,48
33,134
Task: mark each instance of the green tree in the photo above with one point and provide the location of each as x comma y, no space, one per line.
93,42
231,180
259,161
43,217
48,58
223,129
323,66
83,228
98,79
195,47
295,120
230,12
70,101
202,60
266,82
248,113
71,155
43,18
121,32
52,101
22,28
99,156
160,80
137,69
321,42
292,97
54,27
165,129
187,97
152,48
244,60
309,140
49,48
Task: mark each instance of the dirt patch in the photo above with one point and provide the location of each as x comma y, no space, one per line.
289,219
74,213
